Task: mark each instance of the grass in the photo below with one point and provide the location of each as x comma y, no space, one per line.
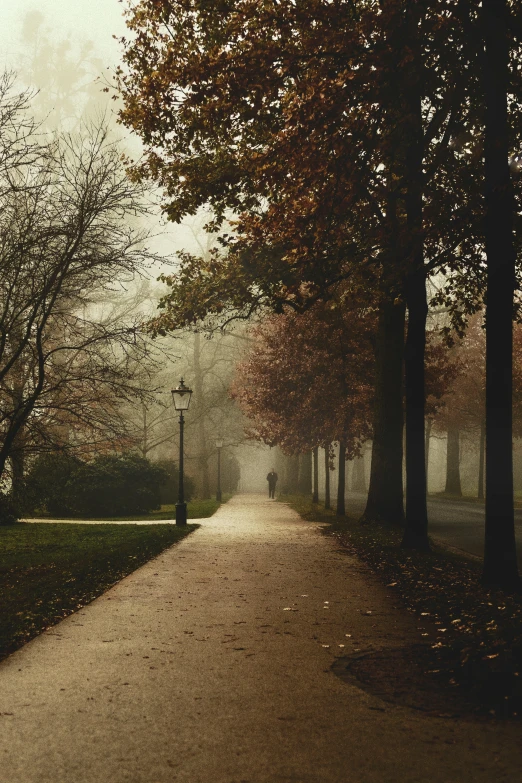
48,571
478,631
196,509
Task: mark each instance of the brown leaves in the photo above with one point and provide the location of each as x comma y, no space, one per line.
479,628
308,380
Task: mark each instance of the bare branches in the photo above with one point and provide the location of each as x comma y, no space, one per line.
69,357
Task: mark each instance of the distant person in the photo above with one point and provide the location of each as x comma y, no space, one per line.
272,481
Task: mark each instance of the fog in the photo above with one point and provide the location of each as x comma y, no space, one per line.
65,52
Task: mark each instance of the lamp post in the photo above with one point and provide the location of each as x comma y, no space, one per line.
181,397
219,446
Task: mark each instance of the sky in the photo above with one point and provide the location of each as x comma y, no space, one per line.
97,20
80,22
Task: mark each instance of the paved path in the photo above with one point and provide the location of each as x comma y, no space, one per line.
211,664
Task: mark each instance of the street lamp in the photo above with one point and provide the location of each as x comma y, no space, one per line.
219,446
181,397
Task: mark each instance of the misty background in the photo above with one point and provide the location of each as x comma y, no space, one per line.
64,53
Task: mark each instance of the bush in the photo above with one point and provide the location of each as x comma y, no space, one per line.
107,486
48,484
8,511
169,487
117,486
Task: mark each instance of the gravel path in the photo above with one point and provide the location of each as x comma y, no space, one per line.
212,664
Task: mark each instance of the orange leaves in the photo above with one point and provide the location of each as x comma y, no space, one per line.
308,379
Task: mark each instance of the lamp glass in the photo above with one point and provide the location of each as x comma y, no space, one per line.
219,443
181,396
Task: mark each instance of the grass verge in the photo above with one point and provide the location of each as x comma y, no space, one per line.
196,509
48,571
478,644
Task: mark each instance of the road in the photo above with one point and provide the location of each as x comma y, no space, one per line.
459,524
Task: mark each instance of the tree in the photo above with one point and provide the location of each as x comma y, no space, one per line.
64,75
462,406
67,358
170,487
335,130
443,367
500,554
307,380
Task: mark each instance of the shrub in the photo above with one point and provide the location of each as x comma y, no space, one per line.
107,486
8,511
170,485
117,486
47,483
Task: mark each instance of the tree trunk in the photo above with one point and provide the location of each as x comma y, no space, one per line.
341,483
416,530
427,437
280,468
385,495
292,474
500,554
315,496
358,475
453,486
305,473
482,444
327,502
199,399
17,460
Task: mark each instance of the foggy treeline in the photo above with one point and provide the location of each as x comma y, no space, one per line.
79,374
372,309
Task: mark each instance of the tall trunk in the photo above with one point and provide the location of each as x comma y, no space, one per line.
358,475
292,474
385,494
482,444
199,399
280,468
416,530
453,486
305,473
500,554
18,469
327,502
427,437
315,496
17,456
144,447
341,482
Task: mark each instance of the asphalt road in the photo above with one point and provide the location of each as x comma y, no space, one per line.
459,524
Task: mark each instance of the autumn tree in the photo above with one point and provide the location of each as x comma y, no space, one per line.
338,134
500,554
308,380
462,407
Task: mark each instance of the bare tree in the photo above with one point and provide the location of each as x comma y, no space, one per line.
68,245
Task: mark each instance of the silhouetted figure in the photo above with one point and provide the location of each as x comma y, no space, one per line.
272,481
